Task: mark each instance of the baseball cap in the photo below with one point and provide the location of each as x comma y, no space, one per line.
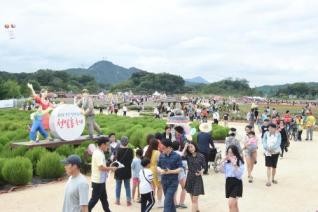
73,160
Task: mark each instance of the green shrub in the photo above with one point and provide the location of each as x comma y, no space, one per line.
19,151
4,139
2,162
35,154
65,150
219,132
136,137
80,151
50,166
17,171
85,144
7,152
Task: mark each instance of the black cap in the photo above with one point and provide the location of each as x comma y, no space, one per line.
166,143
73,160
102,140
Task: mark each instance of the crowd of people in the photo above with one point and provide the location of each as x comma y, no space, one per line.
172,161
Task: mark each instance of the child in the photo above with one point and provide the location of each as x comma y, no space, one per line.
264,127
251,146
146,186
299,124
226,118
136,167
37,123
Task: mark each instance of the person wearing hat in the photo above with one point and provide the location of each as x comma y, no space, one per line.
99,175
271,144
76,190
204,142
87,105
169,165
125,155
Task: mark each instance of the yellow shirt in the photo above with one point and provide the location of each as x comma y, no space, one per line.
154,164
98,159
310,121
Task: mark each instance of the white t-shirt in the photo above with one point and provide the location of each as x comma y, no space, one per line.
98,159
145,177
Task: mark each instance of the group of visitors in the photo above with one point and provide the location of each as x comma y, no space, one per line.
157,170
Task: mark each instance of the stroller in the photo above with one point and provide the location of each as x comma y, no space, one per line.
215,159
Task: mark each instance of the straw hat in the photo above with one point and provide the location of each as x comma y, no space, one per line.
205,127
189,137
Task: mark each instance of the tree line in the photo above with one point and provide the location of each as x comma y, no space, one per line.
13,85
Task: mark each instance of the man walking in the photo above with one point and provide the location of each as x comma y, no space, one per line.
76,191
99,175
170,164
204,142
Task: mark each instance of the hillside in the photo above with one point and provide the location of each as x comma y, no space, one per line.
105,72
271,90
147,83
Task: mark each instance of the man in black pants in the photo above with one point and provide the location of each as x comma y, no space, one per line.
99,175
204,142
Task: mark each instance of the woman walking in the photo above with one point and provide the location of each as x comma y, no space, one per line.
271,144
153,154
125,156
233,167
194,182
250,157
284,136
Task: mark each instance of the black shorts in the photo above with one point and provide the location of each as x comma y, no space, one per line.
233,187
271,161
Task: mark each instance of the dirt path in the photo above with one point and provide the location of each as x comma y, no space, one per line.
297,189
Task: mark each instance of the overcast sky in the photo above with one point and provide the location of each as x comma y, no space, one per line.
266,42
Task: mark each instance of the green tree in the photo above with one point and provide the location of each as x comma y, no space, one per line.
10,89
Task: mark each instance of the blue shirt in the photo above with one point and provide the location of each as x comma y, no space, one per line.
172,161
231,171
204,141
136,167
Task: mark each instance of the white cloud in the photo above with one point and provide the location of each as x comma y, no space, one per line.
258,40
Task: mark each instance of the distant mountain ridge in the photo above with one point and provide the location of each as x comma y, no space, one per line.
272,89
196,80
105,72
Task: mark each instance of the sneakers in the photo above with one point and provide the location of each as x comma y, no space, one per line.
160,204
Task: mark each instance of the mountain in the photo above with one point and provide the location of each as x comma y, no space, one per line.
196,80
105,72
